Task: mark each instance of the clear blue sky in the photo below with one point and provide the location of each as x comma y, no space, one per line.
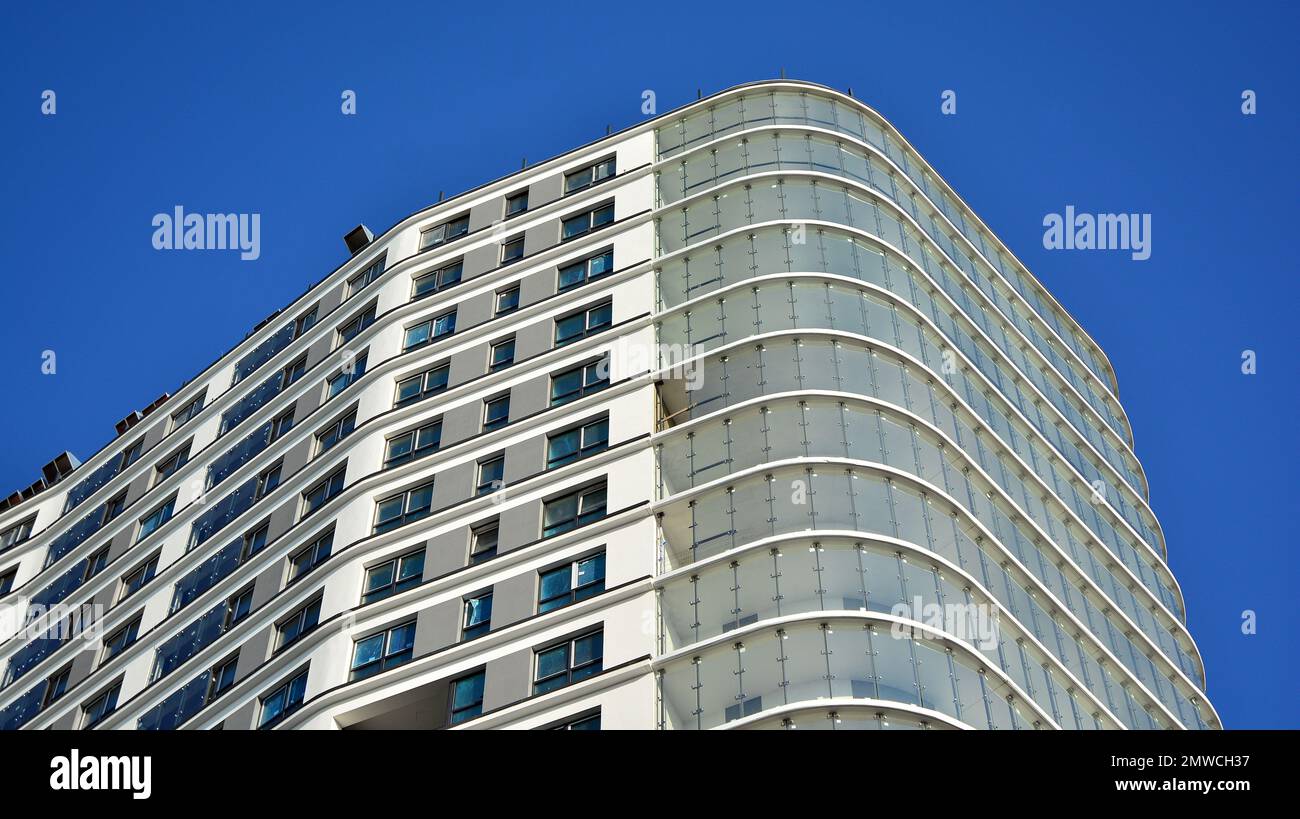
1110,107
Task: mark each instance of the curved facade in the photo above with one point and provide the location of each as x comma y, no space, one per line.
736,419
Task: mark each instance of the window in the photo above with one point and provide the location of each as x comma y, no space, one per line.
578,273
56,686
427,284
571,385
282,424
483,541
491,474
120,640
404,508
558,587
156,518
305,322
575,509
299,623
587,221
410,390
430,331
131,454
101,706
171,463
591,722
466,697
568,662
335,432
294,371
309,558
223,676
17,533
238,606
284,700
507,300
502,355
319,495
588,176
446,232
478,616
353,328
512,249
516,203
382,651
7,580
394,576
496,412
351,373
254,542
186,413
268,480
363,279
137,578
414,444
96,563
114,507
577,443
583,323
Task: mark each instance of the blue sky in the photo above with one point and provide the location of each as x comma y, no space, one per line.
1108,107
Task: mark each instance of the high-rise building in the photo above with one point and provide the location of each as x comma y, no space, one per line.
736,418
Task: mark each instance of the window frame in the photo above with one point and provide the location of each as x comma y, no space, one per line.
425,391
587,276
407,515
591,168
588,329
579,517
587,669
325,485
444,226
439,276
397,583
457,715
416,451
388,659
289,706
584,449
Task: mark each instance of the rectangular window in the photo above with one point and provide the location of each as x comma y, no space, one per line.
478,616
577,443
345,379
282,424
114,507
309,558
320,493
403,508
156,518
393,576
483,541
17,533
359,322
171,463
587,221
267,481
136,579
382,651
466,697
183,416
335,432
516,203
414,444
512,249
573,384
429,331
7,581
491,474
56,686
588,723
284,700
254,542
590,175
305,322
297,624
363,279
294,371
570,583
569,662
131,454
426,284
575,509
584,323
496,412
579,273
223,676
502,355
119,640
96,563
507,300
410,390
238,606
101,706
445,232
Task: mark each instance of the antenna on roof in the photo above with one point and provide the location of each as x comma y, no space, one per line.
523,163
850,90
699,95
440,196
608,130
783,72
